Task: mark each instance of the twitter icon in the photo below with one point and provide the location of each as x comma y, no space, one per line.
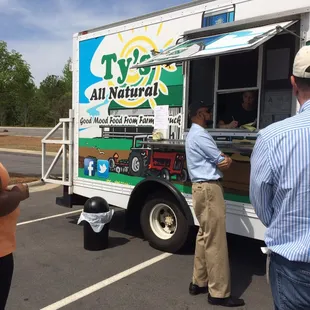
103,168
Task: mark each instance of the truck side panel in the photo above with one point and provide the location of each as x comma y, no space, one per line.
257,8
109,94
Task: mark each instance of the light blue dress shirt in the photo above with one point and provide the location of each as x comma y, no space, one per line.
202,155
280,185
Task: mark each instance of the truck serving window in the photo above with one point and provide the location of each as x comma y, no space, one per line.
216,45
238,58
237,90
238,70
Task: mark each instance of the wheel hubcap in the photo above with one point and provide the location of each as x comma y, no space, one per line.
135,164
163,221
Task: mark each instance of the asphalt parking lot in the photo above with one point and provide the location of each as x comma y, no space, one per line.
53,271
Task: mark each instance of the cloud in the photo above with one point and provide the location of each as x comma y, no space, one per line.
42,30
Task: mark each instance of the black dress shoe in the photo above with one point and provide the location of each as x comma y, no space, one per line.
195,289
226,302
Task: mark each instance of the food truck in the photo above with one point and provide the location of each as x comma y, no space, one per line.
133,81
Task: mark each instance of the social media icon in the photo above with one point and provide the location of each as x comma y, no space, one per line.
90,165
103,168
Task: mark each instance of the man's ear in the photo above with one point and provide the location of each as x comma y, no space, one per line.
294,85
293,80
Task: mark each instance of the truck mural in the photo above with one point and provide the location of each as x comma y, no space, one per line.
108,88
127,160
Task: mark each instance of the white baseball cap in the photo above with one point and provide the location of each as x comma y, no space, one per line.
301,67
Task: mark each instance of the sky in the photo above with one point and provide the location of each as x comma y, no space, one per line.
42,30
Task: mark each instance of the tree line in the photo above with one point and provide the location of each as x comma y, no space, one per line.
22,103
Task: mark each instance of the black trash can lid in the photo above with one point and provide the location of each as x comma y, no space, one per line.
96,205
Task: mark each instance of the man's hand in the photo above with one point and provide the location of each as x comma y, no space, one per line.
225,164
22,189
233,124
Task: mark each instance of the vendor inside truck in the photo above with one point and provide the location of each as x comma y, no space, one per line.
237,114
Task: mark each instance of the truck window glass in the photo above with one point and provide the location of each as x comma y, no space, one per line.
238,70
237,106
277,102
201,85
211,20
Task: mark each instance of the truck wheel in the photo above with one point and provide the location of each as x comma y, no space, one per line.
136,165
165,174
164,225
183,177
111,163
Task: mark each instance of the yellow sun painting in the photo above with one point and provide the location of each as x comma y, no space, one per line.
145,42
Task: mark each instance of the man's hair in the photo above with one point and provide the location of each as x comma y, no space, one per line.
302,83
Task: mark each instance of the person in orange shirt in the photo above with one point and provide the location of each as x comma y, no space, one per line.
9,212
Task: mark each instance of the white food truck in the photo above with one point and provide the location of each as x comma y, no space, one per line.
132,84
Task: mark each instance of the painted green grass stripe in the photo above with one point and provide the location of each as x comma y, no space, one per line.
227,196
128,180
114,177
237,198
106,144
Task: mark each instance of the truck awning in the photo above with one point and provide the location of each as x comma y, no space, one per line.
215,45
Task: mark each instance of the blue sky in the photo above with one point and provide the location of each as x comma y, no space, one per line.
41,30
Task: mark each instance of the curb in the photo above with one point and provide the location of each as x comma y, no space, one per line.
30,184
26,152
36,183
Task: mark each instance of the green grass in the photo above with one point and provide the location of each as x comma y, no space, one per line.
114,177
118,144
132,181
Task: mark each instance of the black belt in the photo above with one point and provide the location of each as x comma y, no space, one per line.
209,181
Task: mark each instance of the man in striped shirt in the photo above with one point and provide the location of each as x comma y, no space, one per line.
280,194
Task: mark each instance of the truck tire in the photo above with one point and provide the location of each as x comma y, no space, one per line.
136,165
164,225
165,174
183,177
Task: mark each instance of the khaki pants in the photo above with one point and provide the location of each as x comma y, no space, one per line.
211,264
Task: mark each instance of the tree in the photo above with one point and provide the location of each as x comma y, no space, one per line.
67,76
66,100
21,102
16,87
56,94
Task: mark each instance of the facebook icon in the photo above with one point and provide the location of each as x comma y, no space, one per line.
90,165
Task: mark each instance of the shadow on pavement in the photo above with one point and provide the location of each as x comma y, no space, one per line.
117,241
246,258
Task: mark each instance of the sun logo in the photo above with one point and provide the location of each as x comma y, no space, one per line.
136,86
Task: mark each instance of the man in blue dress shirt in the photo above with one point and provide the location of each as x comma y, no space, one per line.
205,162
280,194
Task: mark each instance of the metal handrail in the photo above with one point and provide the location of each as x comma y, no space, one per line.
66,150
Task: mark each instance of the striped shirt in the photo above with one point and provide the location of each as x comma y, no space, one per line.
280,185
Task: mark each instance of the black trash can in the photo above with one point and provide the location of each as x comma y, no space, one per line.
96,241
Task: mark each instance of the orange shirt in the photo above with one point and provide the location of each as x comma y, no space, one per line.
8,232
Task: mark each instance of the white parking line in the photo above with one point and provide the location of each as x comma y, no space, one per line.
91,289
48,217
